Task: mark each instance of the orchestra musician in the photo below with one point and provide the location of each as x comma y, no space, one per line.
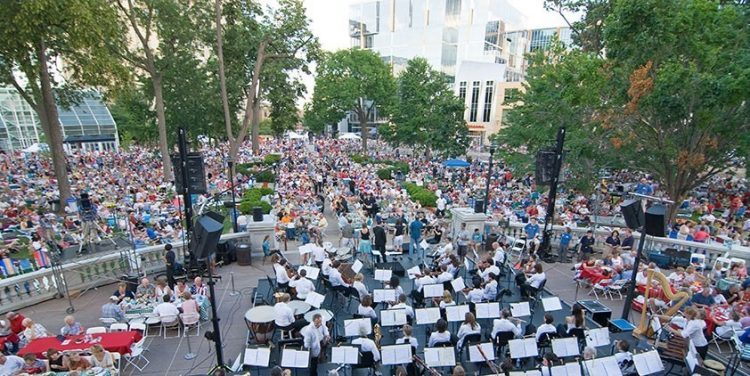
283,273
447,300
337,280
359,285
367,345
693,330
365,308
507,323
476,294
445,275
408,338
489,268
440,335
315,338
319,256
402,305
469,326
301,285
285,319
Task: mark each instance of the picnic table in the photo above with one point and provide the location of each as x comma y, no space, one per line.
119,342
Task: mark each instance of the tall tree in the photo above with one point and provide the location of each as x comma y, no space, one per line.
39,34
159,28
257,45
352,80
426,112
670,98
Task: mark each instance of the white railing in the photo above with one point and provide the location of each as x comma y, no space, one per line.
80,275
712,251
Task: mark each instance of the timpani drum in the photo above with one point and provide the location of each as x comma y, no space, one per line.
260,321
299,307
326,314
714,366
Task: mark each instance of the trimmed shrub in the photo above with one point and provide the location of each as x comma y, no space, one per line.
424,196
265,177
251,199
270,159
385,173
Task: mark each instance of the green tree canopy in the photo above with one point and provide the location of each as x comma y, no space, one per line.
426,112
36,35
670,98
351,80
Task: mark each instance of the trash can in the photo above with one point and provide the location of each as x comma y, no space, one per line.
244,255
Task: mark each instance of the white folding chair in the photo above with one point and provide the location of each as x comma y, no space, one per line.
698,260
96,330
136,354
140,327
601,288
190,320
153,321
718,340
118,327
170,322
117,360
616,288
107,321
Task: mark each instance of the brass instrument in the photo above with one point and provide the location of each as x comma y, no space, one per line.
493,367
377,334
643,326
424,365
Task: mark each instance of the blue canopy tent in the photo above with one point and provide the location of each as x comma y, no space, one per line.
456,163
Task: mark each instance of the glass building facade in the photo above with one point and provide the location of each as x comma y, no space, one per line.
445,32
86,126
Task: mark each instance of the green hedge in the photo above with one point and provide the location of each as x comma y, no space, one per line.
265,177
270,159
384,173
251,199
424,196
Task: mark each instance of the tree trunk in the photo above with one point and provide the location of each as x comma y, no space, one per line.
363,126
252,98
256,127
48,113
161,121
222,76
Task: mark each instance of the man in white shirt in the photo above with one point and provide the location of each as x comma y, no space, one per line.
319,255
166,310
547,327
402,305
285,316
424,280
366,344
334,275
505,324
302,285
534,282
445,275
282,278
440,204
315,338
489,292
489,268
10,365
498,255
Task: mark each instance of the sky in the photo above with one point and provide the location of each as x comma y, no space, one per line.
330,19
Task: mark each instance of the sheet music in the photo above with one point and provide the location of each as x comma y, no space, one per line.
440,356
312,272
523,348
563,347
467,263
384,295
258,357
597,337
551,304
475,356
655,324
648,363
357,266
383,275
424,244
396,354
413,272
521,309
487,310
392,317
458,284
314,299
427,315
456,313
603,366
433,290
345,355
295,358
570,369
351,327
305,249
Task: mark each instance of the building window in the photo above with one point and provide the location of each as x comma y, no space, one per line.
462,91
489,92
510,95
474,101
452,11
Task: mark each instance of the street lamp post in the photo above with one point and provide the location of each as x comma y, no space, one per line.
493,148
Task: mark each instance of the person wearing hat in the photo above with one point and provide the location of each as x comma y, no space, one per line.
112,310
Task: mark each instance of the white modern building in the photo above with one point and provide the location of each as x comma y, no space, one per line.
86,126
465,39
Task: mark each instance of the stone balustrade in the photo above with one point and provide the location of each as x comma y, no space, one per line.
83,274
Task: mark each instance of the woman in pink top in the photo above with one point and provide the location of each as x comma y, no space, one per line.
189,305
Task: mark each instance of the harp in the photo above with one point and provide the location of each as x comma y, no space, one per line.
680,298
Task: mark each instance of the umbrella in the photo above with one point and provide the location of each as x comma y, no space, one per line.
295,136
349,136
35,148
456,163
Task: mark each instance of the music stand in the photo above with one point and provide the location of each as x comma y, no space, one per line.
523,348
427,316
345,356
440,356
396,354
257,356
648,363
